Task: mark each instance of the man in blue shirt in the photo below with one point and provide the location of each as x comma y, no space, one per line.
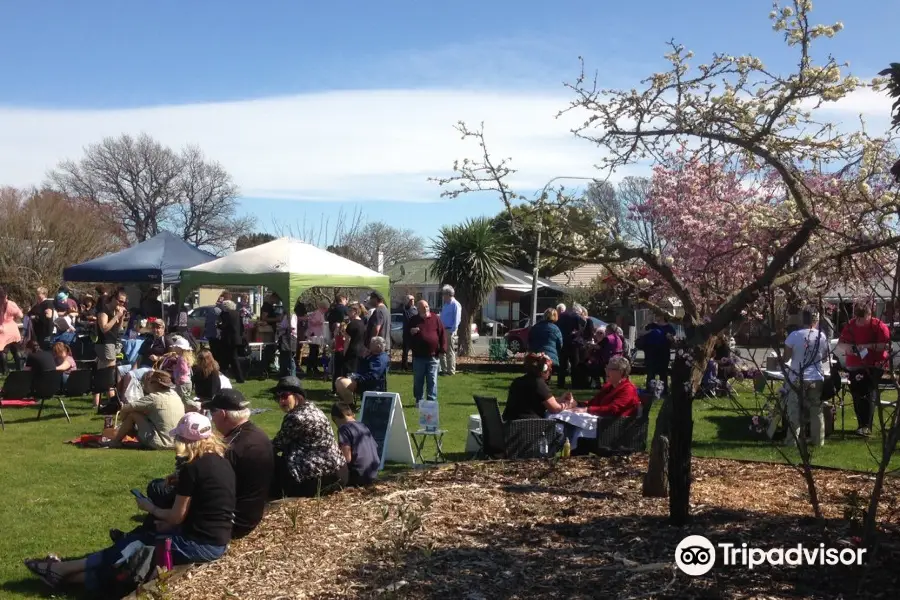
451,317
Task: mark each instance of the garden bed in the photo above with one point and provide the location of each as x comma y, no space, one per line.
578,528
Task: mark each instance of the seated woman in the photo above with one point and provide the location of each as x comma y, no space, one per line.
307,459
152,417
199,522
618,397
370,369
154,347
64,360
529,395
205,376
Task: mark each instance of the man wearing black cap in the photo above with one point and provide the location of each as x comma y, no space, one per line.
250,454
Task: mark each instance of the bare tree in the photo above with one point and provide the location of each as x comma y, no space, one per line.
398,245
249,240
207,203
41,233
142,187
334,231
133,181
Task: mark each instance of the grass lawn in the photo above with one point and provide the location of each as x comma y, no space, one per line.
59,498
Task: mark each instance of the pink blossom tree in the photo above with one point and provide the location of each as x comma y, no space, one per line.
753,190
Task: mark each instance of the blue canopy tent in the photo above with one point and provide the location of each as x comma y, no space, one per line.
157,260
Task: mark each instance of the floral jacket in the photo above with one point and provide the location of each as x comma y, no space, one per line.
307,443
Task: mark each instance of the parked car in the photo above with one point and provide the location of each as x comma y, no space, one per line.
397,330
517,339
197,320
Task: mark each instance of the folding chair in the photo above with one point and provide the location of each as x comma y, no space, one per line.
79,383
47,384
493,437
16,387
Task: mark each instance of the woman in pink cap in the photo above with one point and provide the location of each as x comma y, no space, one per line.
198,522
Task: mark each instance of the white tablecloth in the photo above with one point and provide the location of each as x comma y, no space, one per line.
576,425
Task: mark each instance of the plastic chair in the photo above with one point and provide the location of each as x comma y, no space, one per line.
16,387
493,437
47,384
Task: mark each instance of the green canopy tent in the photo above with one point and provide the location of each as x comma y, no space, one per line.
287,267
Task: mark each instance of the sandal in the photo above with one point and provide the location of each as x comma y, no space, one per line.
42,569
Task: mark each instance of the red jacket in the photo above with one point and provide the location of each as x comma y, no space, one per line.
619,401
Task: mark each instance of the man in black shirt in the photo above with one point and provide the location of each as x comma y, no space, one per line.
38,360
338,313
42,314
250,453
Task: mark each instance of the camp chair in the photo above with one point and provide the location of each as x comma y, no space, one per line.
47,384
16,387
492,437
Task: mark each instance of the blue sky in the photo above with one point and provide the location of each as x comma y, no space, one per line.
321,107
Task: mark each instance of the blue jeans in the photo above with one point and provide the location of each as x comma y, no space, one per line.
286,364
425,370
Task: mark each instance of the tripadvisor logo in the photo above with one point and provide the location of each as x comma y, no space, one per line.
695,555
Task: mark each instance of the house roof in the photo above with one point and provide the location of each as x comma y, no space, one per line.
579,277
418,272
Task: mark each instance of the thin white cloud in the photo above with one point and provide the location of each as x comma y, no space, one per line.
342,145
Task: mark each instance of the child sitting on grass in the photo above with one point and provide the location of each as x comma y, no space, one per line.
357,444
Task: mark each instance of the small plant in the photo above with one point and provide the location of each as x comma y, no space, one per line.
158,588
293,511
854,508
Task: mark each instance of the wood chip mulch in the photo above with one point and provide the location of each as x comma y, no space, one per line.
577,528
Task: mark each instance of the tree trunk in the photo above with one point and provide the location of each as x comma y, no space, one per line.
464,332
670,456
890,439
681,394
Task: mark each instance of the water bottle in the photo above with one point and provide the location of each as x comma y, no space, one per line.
567,449
543,446
164,554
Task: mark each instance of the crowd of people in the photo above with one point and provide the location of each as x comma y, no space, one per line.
176,395
226,470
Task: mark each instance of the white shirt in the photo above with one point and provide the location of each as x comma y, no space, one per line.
809,348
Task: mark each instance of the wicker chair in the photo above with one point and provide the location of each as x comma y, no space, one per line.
523,438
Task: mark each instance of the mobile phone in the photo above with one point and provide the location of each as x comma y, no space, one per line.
137,494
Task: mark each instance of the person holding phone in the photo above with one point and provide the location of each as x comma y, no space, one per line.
865,341
198,523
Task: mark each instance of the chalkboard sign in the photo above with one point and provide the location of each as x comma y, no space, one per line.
382,413
376,415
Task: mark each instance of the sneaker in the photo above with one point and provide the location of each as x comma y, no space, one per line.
862,432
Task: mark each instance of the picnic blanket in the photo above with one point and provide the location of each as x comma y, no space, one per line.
17,403
95,440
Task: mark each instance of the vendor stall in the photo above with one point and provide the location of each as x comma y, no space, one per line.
287,267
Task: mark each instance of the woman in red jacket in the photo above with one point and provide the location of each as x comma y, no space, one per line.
617,397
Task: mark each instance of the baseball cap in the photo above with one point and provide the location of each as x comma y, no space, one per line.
180,343
193,427
229,399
